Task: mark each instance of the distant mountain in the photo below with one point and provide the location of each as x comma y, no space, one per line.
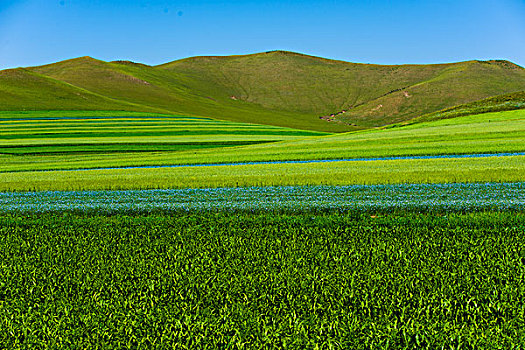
276,88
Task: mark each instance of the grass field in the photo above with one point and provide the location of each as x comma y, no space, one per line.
263,280
41,143
496,169
76,132
412,265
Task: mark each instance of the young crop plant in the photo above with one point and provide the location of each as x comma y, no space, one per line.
263,280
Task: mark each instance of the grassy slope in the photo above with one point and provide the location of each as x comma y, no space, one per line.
315,86
22,89
173,91
281,88
454,85
506,102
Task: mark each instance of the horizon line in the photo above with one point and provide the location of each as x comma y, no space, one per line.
257,54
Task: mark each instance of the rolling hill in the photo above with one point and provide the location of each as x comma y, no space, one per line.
22,89
500,103
275,88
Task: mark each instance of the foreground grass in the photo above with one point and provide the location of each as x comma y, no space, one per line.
263,280
495,169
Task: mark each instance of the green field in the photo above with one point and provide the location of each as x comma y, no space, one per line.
36,143
76,132
263,280
496,169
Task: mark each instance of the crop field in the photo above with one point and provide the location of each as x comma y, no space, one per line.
143,230
492,169
263,280
65,133
382,198
484,133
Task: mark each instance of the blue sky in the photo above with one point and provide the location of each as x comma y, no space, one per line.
34,32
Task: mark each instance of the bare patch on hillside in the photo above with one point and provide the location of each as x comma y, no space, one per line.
136,80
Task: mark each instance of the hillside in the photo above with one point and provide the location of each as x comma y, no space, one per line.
454,85
506,102
172,91
22,89
275,88
370,95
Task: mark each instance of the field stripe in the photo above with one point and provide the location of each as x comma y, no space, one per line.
314,161
452,196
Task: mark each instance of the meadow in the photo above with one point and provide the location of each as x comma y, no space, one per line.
484,133
495,169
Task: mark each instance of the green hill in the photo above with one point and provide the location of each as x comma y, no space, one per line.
507,102
275,88
455,84
370,95
22,89
172,91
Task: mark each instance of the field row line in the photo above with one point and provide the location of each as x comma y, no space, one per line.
311,161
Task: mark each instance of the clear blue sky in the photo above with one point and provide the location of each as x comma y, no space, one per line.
34,32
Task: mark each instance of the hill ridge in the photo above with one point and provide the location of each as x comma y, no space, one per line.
298,54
